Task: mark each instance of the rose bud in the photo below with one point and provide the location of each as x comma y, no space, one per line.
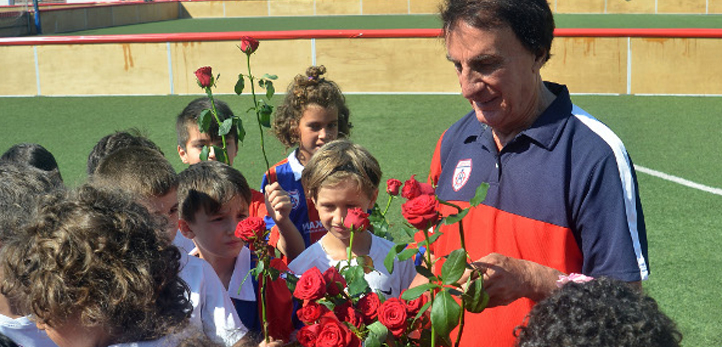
392,186
422,211
205,76
249,44
356,219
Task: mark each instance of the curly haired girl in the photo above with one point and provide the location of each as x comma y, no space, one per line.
95,269
313,113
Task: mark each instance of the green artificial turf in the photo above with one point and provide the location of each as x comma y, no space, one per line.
396,22
676,135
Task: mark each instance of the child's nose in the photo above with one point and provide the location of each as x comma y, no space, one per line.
211,153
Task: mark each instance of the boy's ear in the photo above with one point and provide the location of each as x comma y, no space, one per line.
183,154
373,199
185,229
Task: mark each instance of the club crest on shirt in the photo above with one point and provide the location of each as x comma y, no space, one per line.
462,172
295,198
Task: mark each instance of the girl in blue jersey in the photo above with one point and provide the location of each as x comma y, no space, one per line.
313,113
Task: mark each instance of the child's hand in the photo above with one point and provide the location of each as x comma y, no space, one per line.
271,343
278,203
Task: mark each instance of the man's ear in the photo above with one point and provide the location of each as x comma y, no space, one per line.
183,154
185,229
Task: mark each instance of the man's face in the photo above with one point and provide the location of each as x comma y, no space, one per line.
196,140
497,74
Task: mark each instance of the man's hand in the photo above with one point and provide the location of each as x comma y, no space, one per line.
507,279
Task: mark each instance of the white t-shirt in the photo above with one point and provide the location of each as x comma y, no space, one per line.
185,245
213,310
241,284
24,332
380,280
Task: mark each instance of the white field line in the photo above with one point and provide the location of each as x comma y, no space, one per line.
679,180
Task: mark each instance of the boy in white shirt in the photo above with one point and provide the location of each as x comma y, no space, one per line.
145,173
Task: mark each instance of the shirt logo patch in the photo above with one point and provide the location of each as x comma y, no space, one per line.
295,198
462,172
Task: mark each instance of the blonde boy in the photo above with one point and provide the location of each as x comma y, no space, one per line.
341,176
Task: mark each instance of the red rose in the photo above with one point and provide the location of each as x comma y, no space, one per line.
414,306
251,229
311,285
392,186
353,317
413,188
307,335
311,312
342,310
248,44
422,211
205,76
392,314
369,305
356,219
335,283
335,334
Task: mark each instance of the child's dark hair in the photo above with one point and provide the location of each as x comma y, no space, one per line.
339,161
115,141
139,170
312,89
189,118
97,256
602,312
34,155
207,186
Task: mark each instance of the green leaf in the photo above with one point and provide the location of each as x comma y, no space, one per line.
480,194
204,120
354,276
377,334
265,111
269,77
475,297
455,218
240,85
454,266
220,154
423,271
433,237
225,127
444,313
407,254
422,310
240,130
415,292
389,260
204,153
270,90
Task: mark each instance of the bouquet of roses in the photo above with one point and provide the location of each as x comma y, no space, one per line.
340,310
421,211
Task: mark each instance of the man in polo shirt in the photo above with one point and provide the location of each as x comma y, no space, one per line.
563,193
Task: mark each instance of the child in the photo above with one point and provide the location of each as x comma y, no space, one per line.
147,175
339,177
117,140
191,140
21,189
213,197
190,144
313,113
34,155
97,272
601,312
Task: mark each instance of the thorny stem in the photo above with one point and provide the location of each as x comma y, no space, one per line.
432,293
388,204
